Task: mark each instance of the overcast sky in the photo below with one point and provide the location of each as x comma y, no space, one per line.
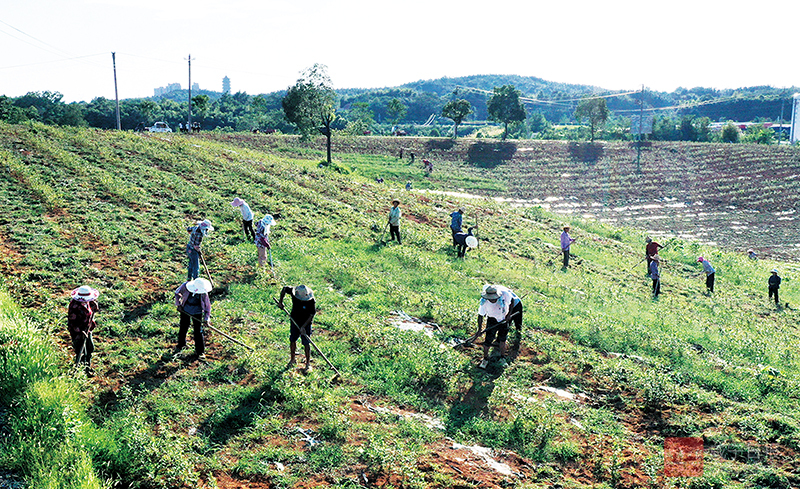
66,45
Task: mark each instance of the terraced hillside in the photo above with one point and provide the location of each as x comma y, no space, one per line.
598,378
738,196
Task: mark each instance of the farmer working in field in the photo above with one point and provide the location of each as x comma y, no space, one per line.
499,304
650,249
81,323
709,271
774,284
655,274
456,219
394,221
262,237
196,235
247,218
300,318
463,241
191,300
566,241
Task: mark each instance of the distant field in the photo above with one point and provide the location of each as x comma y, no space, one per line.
737,196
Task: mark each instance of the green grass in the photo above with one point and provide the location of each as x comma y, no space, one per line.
110,209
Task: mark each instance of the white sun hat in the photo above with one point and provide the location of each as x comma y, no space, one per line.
84,293
199,286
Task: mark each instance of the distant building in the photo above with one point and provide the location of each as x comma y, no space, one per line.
226,85
165,90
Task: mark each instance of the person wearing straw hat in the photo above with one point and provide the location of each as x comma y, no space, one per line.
304,307
247,218
464,241
498,304
80,323
709,271
774,283
262,237
655,274
191,300
196,235
566,241
456,220
394,221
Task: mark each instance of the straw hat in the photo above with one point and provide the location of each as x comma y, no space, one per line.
84,293
303,293
199,286
237,202
490,293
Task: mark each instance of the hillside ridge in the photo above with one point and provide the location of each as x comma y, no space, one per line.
600,375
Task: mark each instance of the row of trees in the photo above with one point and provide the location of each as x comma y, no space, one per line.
312,105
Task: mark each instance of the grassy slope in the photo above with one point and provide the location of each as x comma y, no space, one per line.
110,209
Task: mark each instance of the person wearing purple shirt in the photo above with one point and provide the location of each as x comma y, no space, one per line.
566,240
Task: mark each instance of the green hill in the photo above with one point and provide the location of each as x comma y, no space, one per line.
599,377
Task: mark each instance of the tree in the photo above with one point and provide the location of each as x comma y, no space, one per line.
310,103
201,103
593,110
504,106
147,108
759,134
730,133
457,110
396,110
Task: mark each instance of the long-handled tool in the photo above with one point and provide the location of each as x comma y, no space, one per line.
307,338
222,333
496,325
206,267
383,234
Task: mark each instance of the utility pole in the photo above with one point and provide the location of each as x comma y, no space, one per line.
639,142
780,124
116,92
190,92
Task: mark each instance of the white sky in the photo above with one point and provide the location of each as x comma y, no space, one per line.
66,45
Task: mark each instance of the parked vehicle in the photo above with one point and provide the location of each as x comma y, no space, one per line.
160,127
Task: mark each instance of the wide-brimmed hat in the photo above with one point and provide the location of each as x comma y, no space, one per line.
774,270
699,259
84,293
395,200
566,226
472,241
237,202
268,220
199,286
303,293
205,224
490,293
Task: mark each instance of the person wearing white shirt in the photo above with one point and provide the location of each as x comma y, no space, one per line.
500,305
